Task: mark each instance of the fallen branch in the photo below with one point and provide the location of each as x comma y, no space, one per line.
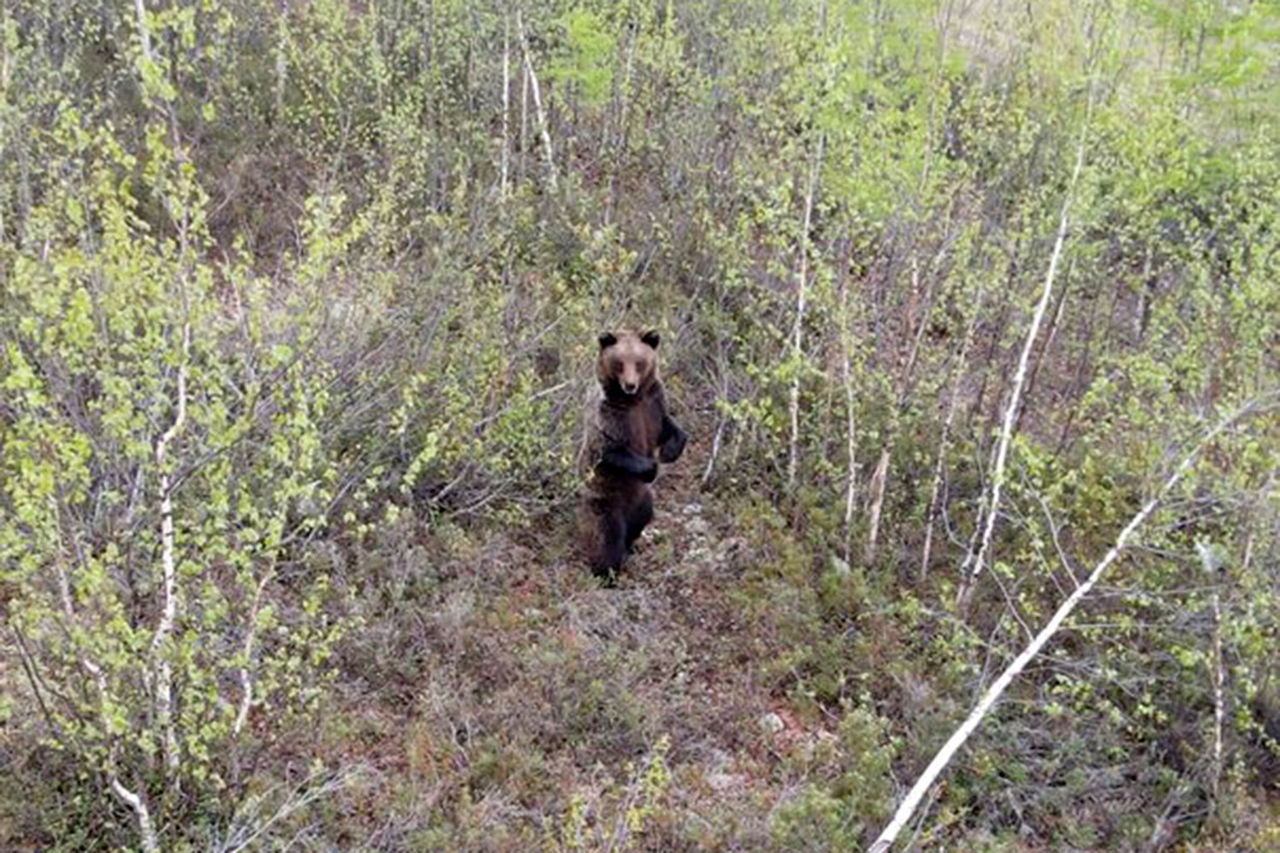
994,692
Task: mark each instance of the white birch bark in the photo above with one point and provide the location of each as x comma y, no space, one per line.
162,668
977,560
282,63
524,124
246,674
940,761
1219,673
144,31
878,486
506,104
146,830
133,799
851,417
797,332
537,102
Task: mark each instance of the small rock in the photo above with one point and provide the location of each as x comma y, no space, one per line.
840,567
725,781
719,761
772,723
698,554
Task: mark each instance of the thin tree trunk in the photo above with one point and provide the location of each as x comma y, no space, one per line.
282,64
975,562
715,451
851,423
150,844
940,761
851,459
246,675
880,479
133,799
931,124
1000,322
944,444
144,30
506,104
524,123
797,332
537,102
718,438
620,146
1054,325
1144,296
1219,694
163,669
1219,673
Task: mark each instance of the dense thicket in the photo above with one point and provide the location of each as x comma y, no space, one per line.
299,302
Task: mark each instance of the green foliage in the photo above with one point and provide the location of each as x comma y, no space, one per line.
837,815
588,56
292,224
123,372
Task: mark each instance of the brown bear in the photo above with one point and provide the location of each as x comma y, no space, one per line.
628,426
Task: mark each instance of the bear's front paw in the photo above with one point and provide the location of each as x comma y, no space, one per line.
671,451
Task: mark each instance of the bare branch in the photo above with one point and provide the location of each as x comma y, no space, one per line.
150,844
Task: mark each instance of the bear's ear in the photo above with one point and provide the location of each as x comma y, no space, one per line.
607,339
651,338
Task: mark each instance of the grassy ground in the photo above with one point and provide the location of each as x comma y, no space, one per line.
491,696
527,704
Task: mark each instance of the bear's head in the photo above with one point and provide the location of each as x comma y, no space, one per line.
628,363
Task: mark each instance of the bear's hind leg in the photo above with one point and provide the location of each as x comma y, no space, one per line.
639,517
612,548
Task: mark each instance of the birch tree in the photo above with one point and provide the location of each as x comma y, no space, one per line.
992,694
976,559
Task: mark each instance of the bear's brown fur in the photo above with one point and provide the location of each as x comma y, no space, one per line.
630,424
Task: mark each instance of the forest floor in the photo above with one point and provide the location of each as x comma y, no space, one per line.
507,697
